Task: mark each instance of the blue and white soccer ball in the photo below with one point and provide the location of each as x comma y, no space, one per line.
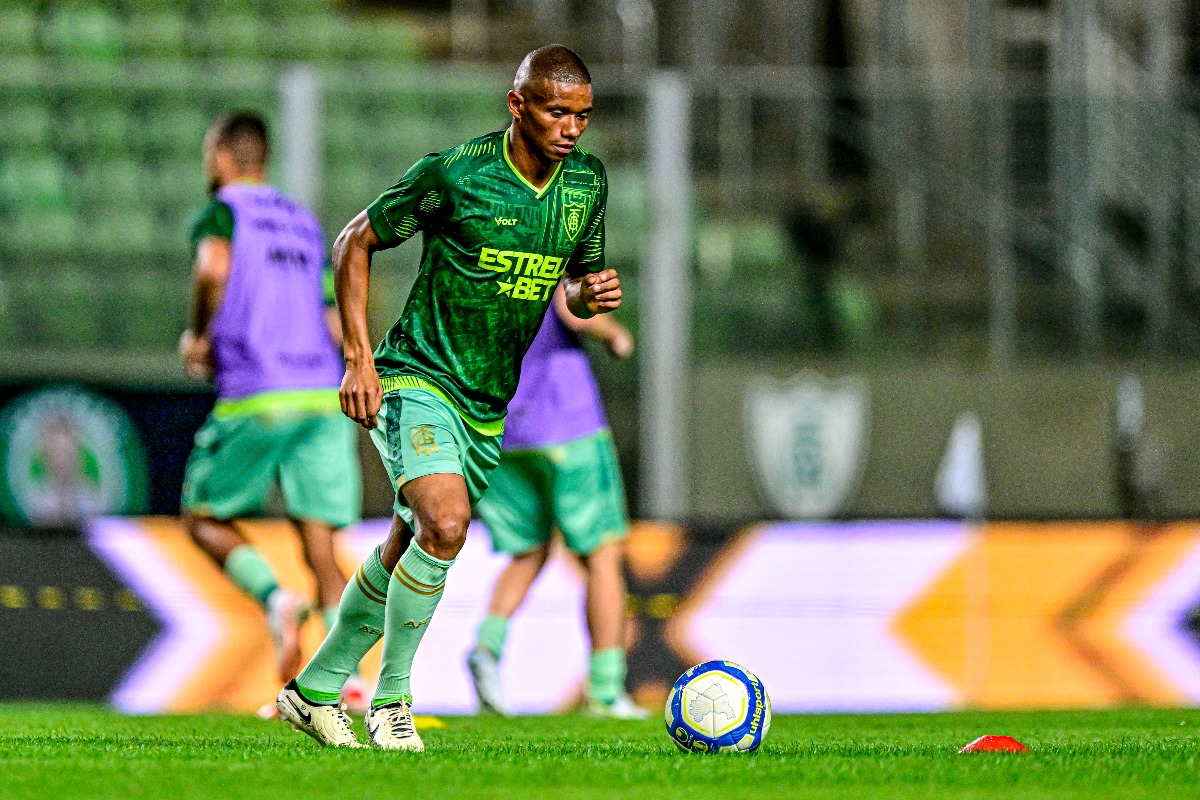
718,707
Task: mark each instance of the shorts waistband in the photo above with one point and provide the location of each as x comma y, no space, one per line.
395,383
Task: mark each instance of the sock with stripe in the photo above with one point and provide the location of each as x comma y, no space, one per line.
492,633
247,569
606,675
355,630
412,596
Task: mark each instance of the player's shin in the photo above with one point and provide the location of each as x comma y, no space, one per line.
357,627
413,594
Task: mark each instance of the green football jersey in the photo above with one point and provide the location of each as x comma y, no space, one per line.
494,249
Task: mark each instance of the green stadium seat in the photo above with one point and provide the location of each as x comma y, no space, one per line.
47,229
173,133
22,75
97,131
381,40
176,191
118,181
238,36
18,31
24,126
33,183
159,35
91,33
115,230
307,38
70,309
167,294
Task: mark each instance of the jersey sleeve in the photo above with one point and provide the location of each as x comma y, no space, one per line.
417,202
589,253
215,219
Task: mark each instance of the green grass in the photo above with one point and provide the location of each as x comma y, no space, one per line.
73,751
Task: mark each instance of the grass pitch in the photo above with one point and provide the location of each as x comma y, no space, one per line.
78,751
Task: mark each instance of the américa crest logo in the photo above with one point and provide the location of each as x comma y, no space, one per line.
575,205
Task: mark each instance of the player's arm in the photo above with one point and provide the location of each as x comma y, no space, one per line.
210,274
591,289
604,328
360,393
415,203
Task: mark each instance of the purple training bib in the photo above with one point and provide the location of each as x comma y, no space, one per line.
557,398
269,332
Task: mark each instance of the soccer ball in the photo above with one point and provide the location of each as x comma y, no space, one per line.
718,707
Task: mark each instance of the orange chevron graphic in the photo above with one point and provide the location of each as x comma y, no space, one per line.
238,670
1030,615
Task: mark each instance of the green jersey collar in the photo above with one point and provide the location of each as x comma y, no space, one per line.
538,193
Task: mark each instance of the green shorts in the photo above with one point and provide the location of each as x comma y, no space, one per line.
421,434
575,486
312,456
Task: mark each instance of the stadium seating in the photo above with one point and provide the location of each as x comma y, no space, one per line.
103,108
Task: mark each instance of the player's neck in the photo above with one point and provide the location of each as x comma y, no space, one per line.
538,171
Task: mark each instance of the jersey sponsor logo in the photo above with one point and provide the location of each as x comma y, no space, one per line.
422,440
505,221
533,276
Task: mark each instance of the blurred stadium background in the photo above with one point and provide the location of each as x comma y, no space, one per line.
913,416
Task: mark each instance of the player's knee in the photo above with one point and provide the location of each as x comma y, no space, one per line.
443,533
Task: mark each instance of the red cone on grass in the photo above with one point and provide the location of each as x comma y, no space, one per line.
995,744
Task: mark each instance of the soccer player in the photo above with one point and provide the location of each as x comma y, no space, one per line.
559,469
261,330
505,216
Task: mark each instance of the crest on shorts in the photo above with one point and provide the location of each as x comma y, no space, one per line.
808,442
575,210
423,441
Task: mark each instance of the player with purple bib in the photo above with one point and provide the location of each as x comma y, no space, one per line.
559,470
262,330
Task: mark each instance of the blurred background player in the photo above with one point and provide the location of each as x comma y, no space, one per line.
262,330
504,217
559,470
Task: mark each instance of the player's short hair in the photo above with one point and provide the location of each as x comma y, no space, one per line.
554,62
244,135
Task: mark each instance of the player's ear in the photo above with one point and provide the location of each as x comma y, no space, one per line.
516,103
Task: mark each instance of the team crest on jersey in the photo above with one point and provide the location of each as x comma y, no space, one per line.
575,211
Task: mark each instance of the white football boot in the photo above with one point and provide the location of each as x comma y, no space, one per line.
391,727
621,708
485,674
327,725
286,612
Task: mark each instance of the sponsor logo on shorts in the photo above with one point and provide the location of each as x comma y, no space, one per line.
370,630
422,440
412,623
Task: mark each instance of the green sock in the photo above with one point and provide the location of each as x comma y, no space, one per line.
492,633
246,568
356,628
412,596
606,674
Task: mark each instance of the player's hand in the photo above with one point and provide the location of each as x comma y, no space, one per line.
361,394
620,344
196,354
601,291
